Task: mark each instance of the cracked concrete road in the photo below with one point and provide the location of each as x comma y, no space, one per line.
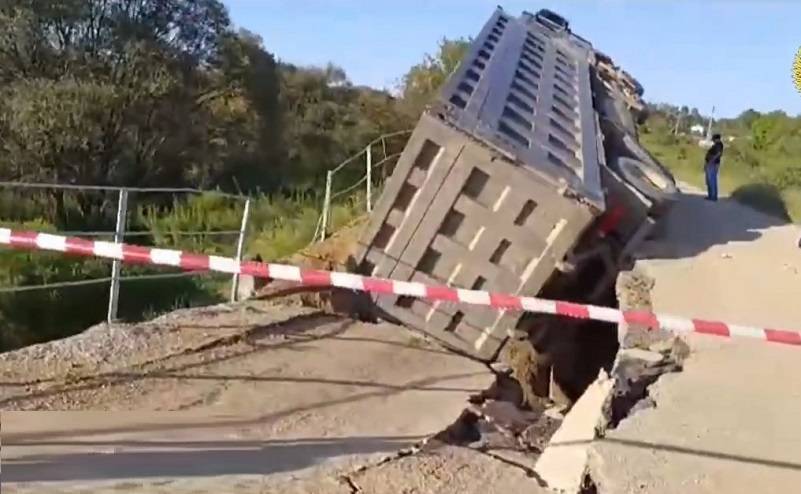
260,414
730,421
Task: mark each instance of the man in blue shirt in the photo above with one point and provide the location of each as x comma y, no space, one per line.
712,166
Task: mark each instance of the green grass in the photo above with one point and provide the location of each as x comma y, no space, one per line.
280,226
766,183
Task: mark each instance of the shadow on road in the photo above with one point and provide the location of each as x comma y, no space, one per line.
765,198
11,439
191,459
694,225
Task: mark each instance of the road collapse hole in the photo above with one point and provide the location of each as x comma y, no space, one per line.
555,358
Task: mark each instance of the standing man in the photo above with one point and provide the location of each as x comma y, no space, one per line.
712,166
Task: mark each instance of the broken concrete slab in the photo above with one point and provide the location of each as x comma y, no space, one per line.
507,415
649,357
727,423
563,464
674,347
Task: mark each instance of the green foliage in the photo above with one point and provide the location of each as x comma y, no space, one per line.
36,316
766,130
743,153
762,166
747,118
331,121
279,227
166,93
134,92
289,234
204,213
423,81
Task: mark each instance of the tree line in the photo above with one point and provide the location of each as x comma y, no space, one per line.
166,93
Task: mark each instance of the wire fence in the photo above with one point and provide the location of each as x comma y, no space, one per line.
96,281
122,218
375,161
110,188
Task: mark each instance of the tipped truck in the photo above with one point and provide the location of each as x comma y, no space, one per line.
525,175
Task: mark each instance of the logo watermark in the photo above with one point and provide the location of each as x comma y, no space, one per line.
797,70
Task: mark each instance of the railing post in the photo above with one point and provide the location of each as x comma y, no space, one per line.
383,160
240,247
326,204
119,236
369,179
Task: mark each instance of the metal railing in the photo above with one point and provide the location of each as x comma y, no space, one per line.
377,155
120,233
390,147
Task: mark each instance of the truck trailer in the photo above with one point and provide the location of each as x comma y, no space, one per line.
525,176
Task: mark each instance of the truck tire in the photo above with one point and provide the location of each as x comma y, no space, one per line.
652,181
643,155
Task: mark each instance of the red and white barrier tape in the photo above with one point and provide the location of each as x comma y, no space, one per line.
199,262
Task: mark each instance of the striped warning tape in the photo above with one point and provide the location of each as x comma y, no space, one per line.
199,262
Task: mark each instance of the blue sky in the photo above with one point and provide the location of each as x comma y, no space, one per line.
734,54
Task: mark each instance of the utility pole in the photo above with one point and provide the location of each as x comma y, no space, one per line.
709,125
678,123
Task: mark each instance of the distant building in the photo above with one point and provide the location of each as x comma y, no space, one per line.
697,129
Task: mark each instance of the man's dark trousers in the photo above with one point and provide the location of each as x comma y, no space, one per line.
711,172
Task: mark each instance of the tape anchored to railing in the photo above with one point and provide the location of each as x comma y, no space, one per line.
134,254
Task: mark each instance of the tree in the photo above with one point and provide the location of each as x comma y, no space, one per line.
329,120
748,117
769,129
133,92
155,93
421,84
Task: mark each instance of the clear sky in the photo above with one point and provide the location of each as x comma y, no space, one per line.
735,54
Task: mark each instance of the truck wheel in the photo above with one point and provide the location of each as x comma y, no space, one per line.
643,155
650,180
